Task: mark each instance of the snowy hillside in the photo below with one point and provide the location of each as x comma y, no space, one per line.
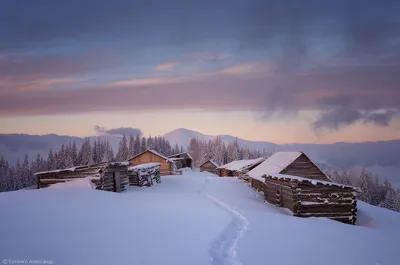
193,219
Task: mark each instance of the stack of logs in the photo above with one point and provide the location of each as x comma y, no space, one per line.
115,179
310,198
144,174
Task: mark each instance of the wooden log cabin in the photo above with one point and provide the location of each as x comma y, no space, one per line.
167,166
209,166
105,176
184,158
238,168
293,181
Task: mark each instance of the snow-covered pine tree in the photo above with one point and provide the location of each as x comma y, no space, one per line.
194,150
85,153
68,159
136,149
74,154
95,153
143,145
12,179
17,179
397,201
60,158
26,178
123,151
176,149
131,148
150,143
4,179
366,187
246,153
51,163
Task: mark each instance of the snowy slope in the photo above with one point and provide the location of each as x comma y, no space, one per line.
191,219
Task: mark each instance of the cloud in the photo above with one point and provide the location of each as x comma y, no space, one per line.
338,118
339,58
168,66
118,131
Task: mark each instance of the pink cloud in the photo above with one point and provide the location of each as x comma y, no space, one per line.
168,66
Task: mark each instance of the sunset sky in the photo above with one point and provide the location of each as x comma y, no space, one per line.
279,71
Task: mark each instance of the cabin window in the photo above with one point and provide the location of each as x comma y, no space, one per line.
151,157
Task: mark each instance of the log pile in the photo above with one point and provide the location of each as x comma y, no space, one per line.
105,176
144,174
309,198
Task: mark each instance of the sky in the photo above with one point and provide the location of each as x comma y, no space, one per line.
279,71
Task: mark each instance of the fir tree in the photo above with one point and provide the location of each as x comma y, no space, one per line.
123,152
25,175
137,145
131,148
143,145
51,163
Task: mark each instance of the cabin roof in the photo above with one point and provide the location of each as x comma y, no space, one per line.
274,164
242,164
176,158
301,179
154,152
94,167
143,166
212,162
184,153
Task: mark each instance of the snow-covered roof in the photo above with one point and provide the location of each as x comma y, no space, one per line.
154,152
143,166
184,153
176,158
242,164
84,168
274,164
212,162
79,183
301,179
125,163
72,169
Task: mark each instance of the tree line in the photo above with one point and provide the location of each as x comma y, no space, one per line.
21,175
371,190
219,152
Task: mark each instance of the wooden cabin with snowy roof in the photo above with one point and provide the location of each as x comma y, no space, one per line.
209,166
104,176
238,168
167,166
184,159
293,181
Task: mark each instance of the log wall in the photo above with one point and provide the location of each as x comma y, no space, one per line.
306,199
166,167
209,167
144,176
337,203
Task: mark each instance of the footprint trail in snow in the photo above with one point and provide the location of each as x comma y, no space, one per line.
223,248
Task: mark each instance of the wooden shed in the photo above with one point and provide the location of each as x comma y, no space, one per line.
105,176
209,166
293,181
167,166
238,168
184,158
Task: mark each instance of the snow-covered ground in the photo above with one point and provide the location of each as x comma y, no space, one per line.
192,219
